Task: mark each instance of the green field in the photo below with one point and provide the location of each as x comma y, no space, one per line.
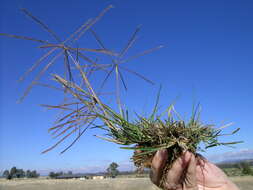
245,183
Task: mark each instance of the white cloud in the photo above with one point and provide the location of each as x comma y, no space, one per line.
241,154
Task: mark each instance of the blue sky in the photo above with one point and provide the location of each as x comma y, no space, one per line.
207,56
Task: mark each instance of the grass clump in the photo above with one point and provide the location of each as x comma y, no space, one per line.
146,135
150,134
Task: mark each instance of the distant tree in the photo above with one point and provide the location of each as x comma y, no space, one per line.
34,174
19,173
13,172
9,177
22,173
6,174
28,174
60,173
112,170
246,169
52,175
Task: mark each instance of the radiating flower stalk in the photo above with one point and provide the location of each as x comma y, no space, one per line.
83,106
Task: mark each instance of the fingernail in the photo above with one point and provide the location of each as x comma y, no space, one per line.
186,157
162,152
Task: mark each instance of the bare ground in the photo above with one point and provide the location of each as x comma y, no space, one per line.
245,183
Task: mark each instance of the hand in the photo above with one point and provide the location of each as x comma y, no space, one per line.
189,172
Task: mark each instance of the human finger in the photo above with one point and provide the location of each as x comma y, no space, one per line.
190,181
157,166
177,171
